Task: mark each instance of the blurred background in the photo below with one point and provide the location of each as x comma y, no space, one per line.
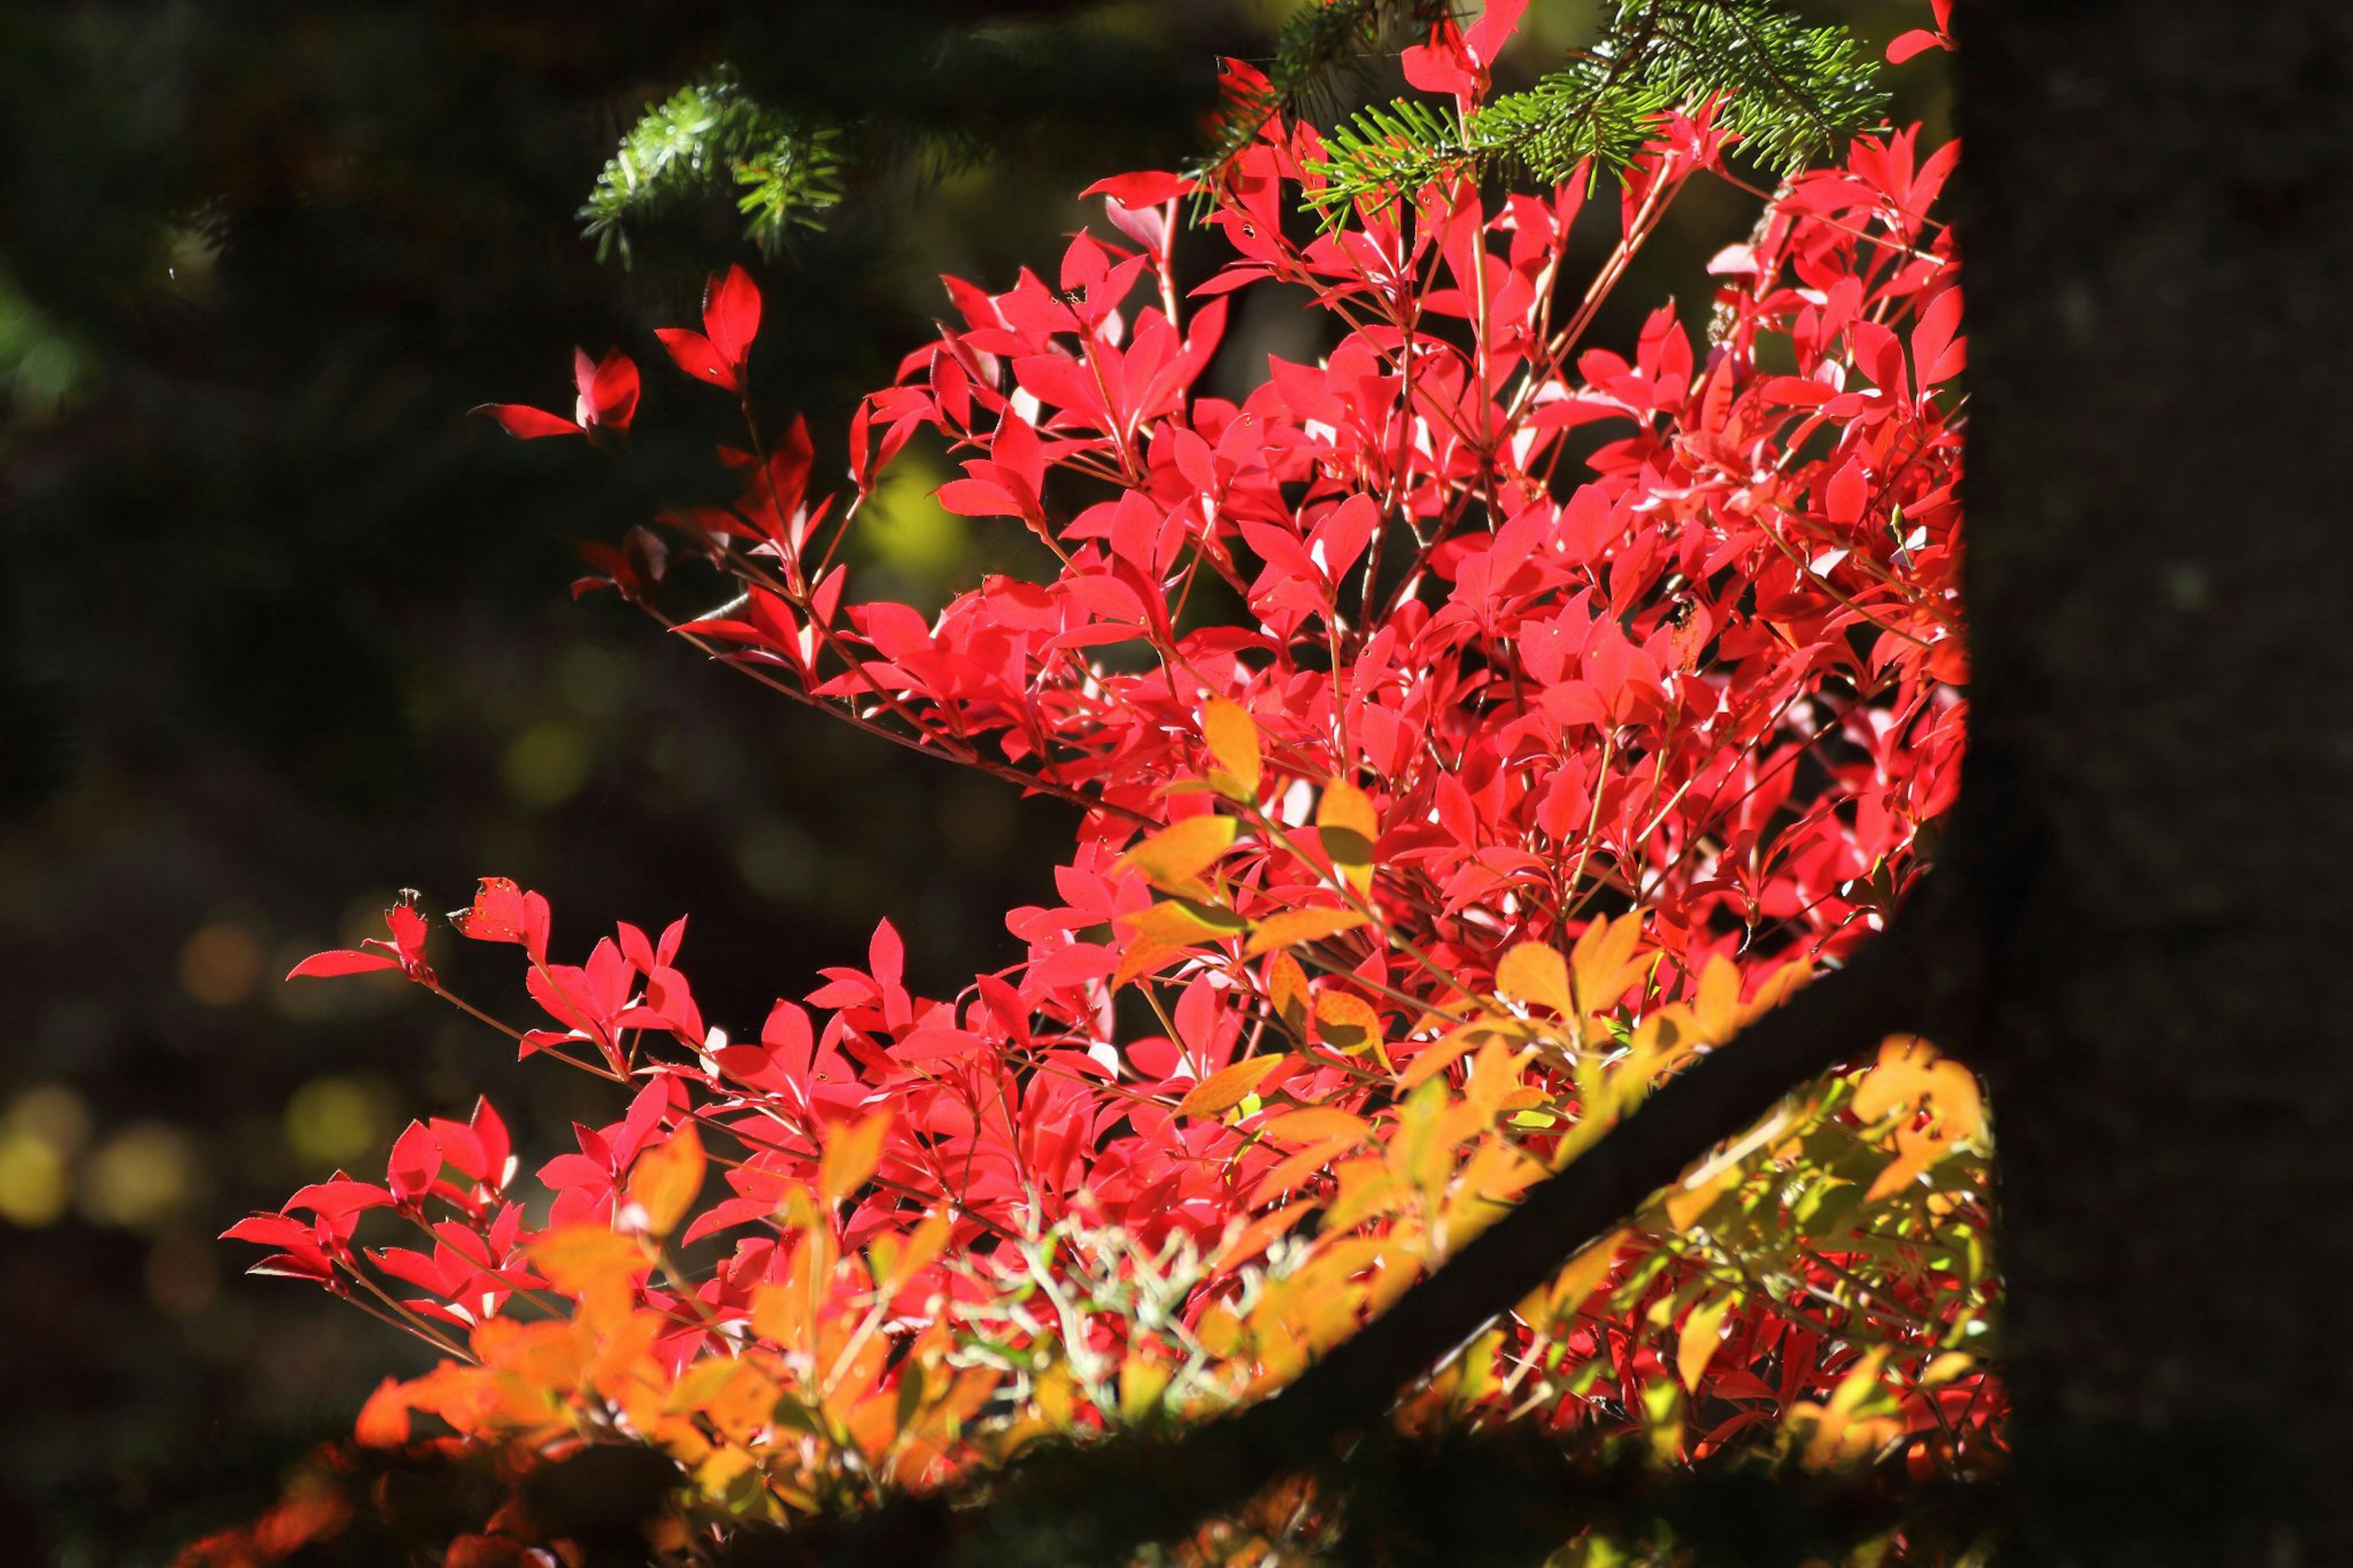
281,632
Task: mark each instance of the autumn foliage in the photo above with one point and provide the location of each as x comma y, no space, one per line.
1467,729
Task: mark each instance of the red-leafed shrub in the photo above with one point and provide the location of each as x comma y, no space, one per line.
1443,790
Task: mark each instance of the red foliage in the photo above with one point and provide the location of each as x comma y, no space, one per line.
1437,797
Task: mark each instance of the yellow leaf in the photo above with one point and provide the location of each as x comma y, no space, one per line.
1172,859
667,1178
1348,1023
1695,1346
1228,1087
1573,1284
1946,1367
1141,1382
1232,739
1349,829
1294,926
1532,971
851,1153
1686,1204
1166,929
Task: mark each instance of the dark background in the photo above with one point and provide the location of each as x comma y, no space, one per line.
281,632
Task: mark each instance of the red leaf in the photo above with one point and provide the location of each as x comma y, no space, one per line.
608,389
730,314
698,356
1917,41
340,961
502,912
525,423
1143,188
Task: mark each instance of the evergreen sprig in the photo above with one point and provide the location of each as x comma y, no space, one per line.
1790,91
1320,42
711,136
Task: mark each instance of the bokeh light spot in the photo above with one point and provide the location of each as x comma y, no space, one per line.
142,1176
334,1120
546,764
221,963
33,1185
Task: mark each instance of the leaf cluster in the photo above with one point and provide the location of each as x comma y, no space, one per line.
712,136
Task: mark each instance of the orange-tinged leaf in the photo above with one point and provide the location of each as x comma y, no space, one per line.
1286,988
1717,1005
1695,1346
1910,1071
1294,926
1231,736
1174,858
1915,1150
1176,922
1580,1279
894,1265
1348,1023
577,1258
1350,829
1228,1087
1534,972
851,1153
667,1178
383,1419
1259,1235
1451,1046
1298,1167
1603,960
1315,1124
1686,1204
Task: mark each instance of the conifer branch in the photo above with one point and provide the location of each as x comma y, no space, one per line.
1787,91
712,137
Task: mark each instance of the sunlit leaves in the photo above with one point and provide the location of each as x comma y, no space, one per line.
668,1177
1173,858
1232,738
1440,793
1228,1087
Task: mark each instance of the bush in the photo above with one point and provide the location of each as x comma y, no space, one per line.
1438,800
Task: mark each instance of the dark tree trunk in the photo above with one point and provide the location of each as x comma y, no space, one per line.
2155,206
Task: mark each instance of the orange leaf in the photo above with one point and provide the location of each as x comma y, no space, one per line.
1603,960
1294,926
1532,971
1286,988
1232,739
851,1153
579,1257
1314,1125
383,1419
1717,1005
667,1178
1228,1087
1348,1023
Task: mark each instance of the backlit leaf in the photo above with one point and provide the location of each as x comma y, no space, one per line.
1231,736
1228,1087
667,1178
